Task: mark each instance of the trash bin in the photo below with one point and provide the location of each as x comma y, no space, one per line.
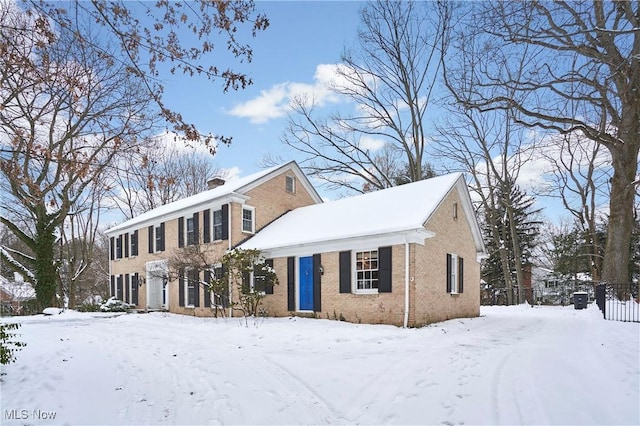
580,299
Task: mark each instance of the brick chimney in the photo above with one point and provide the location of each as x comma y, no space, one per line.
215,182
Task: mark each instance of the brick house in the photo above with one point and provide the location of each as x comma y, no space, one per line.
407,255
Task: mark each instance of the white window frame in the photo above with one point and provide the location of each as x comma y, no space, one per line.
291,179
190,235
218,225
131,245
253,219
187,272
454,274
354,277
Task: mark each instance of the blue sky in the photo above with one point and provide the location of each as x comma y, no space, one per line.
302,42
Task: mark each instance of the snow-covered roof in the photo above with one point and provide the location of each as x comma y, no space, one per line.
230,189
17,290
391,216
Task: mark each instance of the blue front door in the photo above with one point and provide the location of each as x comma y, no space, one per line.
306,283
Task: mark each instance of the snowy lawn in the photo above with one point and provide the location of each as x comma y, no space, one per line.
513,365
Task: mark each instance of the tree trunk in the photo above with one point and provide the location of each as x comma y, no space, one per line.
621,206
45,266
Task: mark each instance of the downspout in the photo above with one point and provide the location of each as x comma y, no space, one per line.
229,215
406,284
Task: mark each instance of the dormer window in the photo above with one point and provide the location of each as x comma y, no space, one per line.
290,184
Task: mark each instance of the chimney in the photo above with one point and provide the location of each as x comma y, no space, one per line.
215,182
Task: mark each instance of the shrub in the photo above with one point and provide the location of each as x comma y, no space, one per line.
115,305
7,346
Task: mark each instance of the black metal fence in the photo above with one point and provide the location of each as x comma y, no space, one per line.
619,302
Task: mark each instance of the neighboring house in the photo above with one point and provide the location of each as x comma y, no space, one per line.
408,255
14,296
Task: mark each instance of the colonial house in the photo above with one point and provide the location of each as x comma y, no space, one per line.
408,255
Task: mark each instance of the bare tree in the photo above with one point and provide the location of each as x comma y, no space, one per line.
158,173
579,177
391,79
582,75
490,149
75,97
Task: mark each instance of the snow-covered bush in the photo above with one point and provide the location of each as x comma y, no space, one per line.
8,347
115,305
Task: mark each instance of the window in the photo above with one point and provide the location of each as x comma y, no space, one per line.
247,219
290,184
217,225
159,238
119,247
367,270
455,273
191,232
455,210
191,287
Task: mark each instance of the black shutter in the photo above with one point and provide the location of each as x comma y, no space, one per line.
317,301
195,277
119,287
196,228
151,239
113,285
126,288
460,275
126,245
134,288
181,232
181,287
384,270
134,243
206,227
291,283
269,287
345,271
162,236
225,221
207,293
113,248
448,273
119,247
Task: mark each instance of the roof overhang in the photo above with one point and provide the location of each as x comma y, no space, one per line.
416,236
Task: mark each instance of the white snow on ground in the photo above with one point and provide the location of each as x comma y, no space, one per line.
513,365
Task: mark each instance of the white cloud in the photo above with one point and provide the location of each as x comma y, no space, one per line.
275,102
369,143
232,173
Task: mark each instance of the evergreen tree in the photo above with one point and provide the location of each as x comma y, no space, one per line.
527,230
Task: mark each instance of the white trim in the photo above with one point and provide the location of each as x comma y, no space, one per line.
253,219
151,272
416,236
354,272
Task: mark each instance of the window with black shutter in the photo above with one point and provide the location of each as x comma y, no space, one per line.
112,245
207,294
113,286
127,288
160,237
119,247
181,287
455,271
269,287
119,287
126,245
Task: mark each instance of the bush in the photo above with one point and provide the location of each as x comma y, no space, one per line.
115,305
8,347
89,307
